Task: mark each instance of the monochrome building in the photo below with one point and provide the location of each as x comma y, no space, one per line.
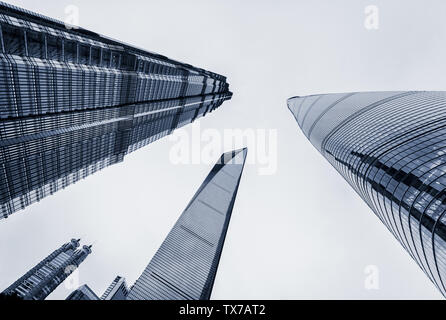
73,102
185,266
117,290
46,276
391,148
83,293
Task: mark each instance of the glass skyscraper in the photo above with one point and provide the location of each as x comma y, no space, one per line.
83,293
391,148
185,265
73,102
41,280
117,290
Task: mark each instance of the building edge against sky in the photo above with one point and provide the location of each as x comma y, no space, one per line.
73,102
390,147
185,266
84,292
117,290
48,274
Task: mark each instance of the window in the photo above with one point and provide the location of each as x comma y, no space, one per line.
115,60
14,40
95,56
84,54
141,66
128,62
36,44
54,46
106,58
70,50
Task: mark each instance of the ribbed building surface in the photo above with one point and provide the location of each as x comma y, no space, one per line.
73,102
117,290
83,293
185,266
46,276
391,148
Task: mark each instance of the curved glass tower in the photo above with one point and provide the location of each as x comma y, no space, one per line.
391,148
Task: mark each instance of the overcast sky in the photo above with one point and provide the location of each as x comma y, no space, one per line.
300,233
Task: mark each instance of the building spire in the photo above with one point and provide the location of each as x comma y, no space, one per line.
37,284
204,223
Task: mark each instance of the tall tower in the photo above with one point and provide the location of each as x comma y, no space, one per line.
391,148
185,265
83,293
73,102
117,290
41,280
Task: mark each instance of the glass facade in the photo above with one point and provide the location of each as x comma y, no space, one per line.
117,290
391,148
73,102
185,266
41,280
83,293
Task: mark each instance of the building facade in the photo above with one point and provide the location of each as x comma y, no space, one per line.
46,276
391,148
117,290
73,102
185,266
83,293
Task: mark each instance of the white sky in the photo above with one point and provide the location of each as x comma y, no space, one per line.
301,233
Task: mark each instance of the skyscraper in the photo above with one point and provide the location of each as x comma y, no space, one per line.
73,102
41,280
117,290
391,148
185,265
83,293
